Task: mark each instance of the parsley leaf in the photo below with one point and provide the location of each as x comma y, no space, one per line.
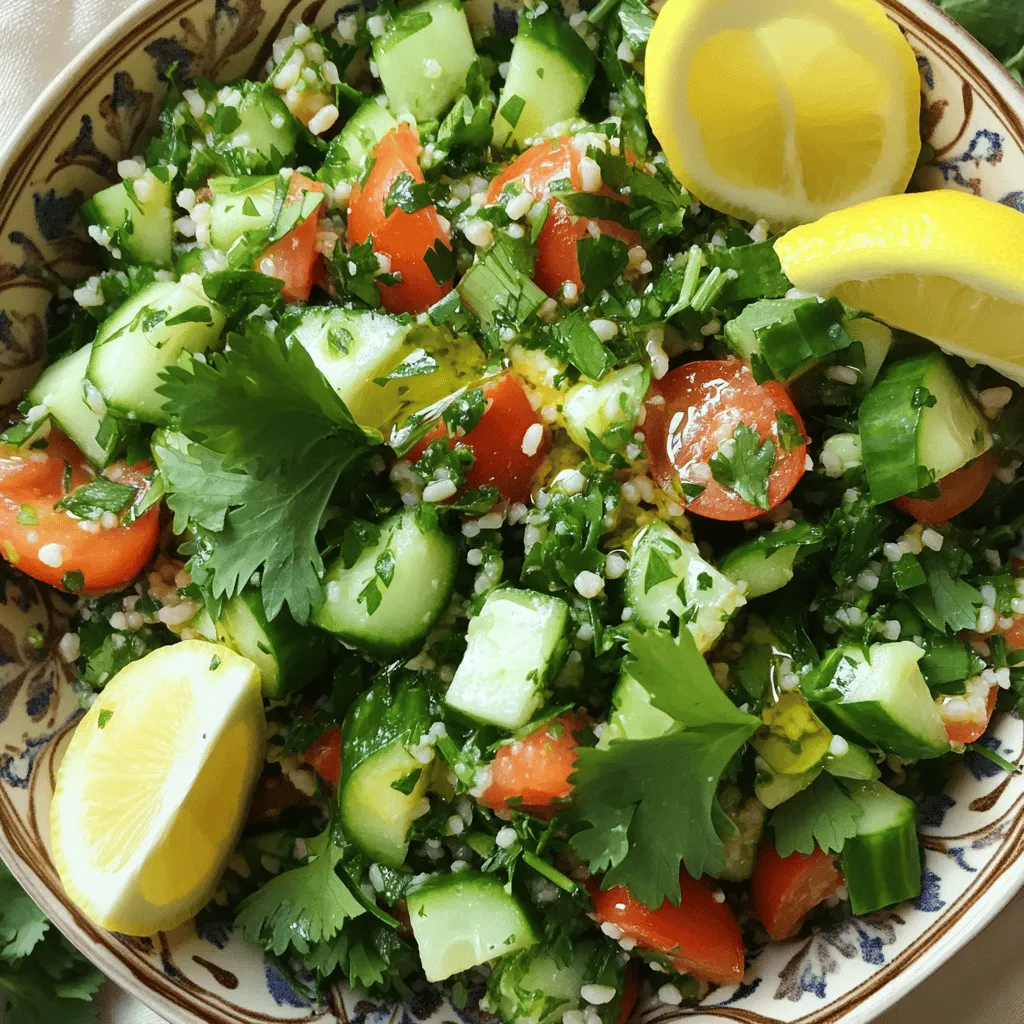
302,907
101,495
997,24
584,348
465,411
744,464
822,814
602,260
790,434
649,806
406,195
416,364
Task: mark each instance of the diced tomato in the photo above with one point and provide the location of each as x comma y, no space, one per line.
535,170
787,889
630,989
497,441
32,482
324,755
693,411
957,493
294,258
536,769
402,237
700,937
1015,634
966,717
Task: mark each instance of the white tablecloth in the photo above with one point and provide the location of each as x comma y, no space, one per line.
984,984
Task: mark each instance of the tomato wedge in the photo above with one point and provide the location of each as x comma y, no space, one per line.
693,411
700,937
536,769
324,755
966,717
294,258
957,493
535,170
46,543
498,441
787,889
630,990
402,237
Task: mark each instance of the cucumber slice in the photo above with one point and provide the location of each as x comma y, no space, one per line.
239,205
148,333
424,57
662,563
633,715
774,788
347,153
846,450
876,339
537,987
856,763
502,680
792,739
288,656
425,560
265,135
61,388
600,417
918,424
885,699
465,920
766,564
549,73
354,349
882,862
136,217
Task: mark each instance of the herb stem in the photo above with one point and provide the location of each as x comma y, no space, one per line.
542,867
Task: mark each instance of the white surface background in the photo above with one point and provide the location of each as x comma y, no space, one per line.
984,984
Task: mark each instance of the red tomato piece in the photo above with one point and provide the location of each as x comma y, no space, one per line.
556,245
32,482
324,755
787,889
692,411
701,936
402,237
1015,634
294,258
966,717
630,989
497,441
535,769
958,492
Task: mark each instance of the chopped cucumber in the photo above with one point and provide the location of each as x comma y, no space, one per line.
856,763
354,349
265,134
239,205
740,847
464,920
774,788
876,339
882,862
663,564
62,389
288,656
383,785
136,217
549,73
600,417
347,153
424,58
390,618
502,680
537,987
792,739
882,698
846,450
918,424
765,564
140,339
633,715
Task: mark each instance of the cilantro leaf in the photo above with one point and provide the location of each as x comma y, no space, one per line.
744,464
997,24
948,602
22,923
822,814
649,806
302,907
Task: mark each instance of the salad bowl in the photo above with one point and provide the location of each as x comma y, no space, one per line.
100,111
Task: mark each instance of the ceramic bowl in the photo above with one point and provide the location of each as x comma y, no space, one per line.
102,109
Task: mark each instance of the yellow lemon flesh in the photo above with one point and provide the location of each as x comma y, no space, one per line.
945,265
154,787
783,110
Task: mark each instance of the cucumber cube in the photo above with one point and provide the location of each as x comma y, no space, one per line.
502,679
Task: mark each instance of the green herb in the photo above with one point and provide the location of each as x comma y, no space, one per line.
584,348
744,464
440,261
997,24
512,110
406,194
92,500
822,814
27,515
416,364
214,663
789,432
658,570
465,411
249,208
407,783
73,581
192,315
602,261
649,807
104,716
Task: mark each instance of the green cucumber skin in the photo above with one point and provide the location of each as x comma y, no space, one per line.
882,863
347,153
763,574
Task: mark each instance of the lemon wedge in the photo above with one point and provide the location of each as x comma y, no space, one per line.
155,785
783,110
945,265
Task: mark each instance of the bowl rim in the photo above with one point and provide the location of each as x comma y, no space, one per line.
957,926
